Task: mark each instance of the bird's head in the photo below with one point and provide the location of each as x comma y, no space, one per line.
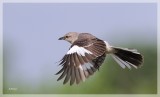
71,37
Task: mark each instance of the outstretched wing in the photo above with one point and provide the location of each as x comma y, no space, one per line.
82,60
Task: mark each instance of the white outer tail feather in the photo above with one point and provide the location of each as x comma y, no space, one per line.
122,63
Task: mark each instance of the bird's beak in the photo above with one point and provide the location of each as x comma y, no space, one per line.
61,38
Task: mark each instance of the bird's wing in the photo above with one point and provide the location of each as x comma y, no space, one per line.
82,60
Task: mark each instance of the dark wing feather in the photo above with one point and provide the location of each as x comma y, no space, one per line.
73,75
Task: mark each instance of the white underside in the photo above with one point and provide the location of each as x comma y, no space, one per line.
108,47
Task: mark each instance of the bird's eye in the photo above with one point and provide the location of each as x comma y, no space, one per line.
66,36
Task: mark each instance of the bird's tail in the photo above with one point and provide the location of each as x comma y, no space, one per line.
127,57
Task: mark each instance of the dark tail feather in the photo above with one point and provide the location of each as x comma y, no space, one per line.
127,57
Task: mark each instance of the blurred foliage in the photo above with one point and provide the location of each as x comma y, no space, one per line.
111,78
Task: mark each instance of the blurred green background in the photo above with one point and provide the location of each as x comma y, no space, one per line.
110,79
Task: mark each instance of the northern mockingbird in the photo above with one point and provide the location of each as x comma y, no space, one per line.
87,53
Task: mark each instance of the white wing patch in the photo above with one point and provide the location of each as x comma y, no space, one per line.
78,50
87,66
80,67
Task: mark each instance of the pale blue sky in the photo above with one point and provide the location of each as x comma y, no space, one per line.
31,33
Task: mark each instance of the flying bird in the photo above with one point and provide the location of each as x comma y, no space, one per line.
87,53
